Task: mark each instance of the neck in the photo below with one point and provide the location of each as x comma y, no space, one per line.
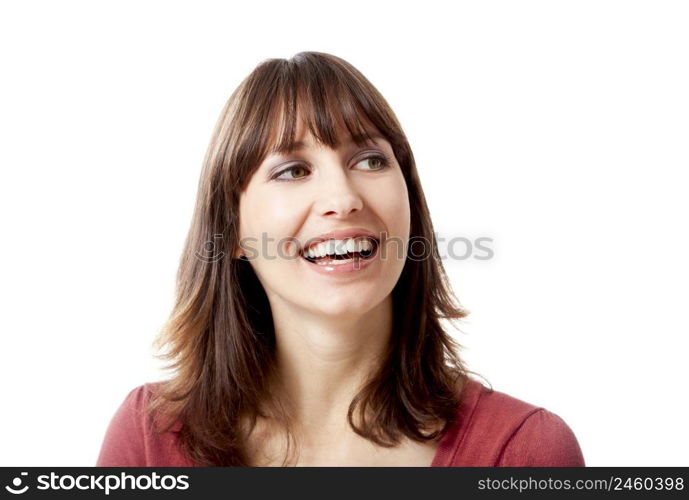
323,362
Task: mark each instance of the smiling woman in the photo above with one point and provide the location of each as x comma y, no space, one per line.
307,336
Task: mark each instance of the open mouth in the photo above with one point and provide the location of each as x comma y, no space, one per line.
339,256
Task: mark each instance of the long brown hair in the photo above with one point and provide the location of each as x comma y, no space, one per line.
219,339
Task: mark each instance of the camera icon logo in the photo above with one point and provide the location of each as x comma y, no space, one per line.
17,482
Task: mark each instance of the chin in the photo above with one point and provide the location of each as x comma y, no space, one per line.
340,307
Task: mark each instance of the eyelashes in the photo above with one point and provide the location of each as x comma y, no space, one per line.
382,160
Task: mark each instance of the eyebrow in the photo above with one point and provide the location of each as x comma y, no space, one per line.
299,145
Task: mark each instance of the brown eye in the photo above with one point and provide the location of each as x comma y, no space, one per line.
375,162
294,168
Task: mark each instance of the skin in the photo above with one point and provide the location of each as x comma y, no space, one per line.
330,331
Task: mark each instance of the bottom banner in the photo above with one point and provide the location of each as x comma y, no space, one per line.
341,482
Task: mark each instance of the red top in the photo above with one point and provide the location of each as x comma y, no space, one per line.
492,429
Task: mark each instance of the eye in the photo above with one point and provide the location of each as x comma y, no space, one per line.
376,161
294,168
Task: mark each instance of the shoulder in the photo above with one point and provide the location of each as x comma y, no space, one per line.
132,410
495,429
542,439
131,440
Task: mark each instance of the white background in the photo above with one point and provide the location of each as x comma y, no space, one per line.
559,129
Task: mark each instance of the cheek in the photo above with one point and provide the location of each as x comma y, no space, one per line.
392,204
268,222
261,213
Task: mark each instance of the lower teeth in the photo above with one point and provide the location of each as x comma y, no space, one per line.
329,261
335,262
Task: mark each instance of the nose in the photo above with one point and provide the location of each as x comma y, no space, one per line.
338,196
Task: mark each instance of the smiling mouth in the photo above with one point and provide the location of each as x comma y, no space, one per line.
353,256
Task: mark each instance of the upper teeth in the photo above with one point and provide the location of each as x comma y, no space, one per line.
338,247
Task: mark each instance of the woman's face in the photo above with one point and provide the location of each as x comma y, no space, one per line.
295,198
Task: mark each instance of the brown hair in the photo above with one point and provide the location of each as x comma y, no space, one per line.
220,339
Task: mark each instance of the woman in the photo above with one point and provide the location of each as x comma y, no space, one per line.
303,332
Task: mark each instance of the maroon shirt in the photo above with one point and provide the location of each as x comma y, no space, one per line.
491,429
